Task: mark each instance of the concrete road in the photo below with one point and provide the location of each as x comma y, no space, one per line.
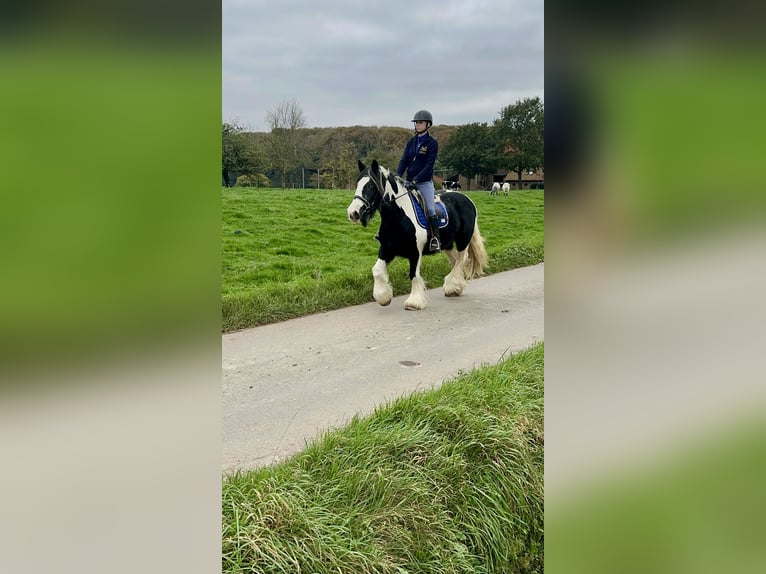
283,383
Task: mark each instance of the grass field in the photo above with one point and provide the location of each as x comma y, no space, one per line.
447,480
290,253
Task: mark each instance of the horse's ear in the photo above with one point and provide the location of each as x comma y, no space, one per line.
362,167
374,168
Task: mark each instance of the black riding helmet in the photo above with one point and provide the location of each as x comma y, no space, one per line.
424,115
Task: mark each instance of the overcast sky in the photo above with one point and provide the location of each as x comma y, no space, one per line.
350,62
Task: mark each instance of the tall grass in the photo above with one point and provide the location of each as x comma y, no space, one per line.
290,253
443,481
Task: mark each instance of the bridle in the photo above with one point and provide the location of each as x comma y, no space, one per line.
368,205
372,205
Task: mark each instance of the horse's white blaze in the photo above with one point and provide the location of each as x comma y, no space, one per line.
354,210
418,298
355,207
382,290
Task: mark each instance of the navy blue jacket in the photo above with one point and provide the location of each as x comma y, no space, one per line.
419,158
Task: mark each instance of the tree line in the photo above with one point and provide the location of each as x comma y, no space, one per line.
293,155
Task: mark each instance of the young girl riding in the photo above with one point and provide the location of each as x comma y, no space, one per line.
418,162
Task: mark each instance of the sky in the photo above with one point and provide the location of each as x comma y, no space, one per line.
349,62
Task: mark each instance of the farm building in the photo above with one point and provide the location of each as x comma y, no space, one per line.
534,180
529,180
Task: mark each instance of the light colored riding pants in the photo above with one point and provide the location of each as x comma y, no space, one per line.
427,190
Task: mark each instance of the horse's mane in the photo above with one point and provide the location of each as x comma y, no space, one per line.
392,178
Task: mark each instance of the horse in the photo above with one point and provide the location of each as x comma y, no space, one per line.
506,188
402,234
495,188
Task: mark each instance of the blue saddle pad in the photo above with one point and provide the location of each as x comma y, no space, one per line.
441,212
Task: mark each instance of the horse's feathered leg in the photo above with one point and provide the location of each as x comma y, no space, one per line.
455,282
418,298
382,290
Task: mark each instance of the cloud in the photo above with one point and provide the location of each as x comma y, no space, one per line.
346,63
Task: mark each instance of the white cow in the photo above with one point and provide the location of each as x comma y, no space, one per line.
506,188
495,188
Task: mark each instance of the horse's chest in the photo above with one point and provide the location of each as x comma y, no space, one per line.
399,237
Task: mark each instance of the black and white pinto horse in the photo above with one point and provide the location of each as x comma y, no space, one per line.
402,235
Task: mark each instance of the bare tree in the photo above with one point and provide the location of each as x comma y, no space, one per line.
286,121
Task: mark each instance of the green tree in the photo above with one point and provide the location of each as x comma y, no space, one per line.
519,134
240,153
470,151
286,150
233,150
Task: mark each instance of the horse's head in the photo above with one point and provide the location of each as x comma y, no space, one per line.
370,188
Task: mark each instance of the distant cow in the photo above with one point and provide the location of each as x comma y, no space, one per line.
495,188
506,188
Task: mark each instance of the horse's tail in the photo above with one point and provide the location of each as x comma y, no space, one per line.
477,255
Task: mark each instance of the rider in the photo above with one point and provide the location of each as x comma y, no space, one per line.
418,161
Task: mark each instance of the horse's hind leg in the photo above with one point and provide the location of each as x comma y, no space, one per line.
418,298
382,290
455,282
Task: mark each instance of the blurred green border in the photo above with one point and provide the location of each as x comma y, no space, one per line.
110,224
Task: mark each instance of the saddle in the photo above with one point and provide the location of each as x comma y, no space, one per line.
417,203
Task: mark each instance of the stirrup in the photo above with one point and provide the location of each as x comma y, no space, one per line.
435,244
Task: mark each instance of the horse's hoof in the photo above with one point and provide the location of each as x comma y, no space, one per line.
383,301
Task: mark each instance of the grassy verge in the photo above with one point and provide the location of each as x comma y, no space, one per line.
290,253
448,480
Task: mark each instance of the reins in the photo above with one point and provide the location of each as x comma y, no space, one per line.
402,194
381,193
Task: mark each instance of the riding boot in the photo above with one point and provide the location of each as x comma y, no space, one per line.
435,245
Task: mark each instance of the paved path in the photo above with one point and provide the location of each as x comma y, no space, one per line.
285,382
